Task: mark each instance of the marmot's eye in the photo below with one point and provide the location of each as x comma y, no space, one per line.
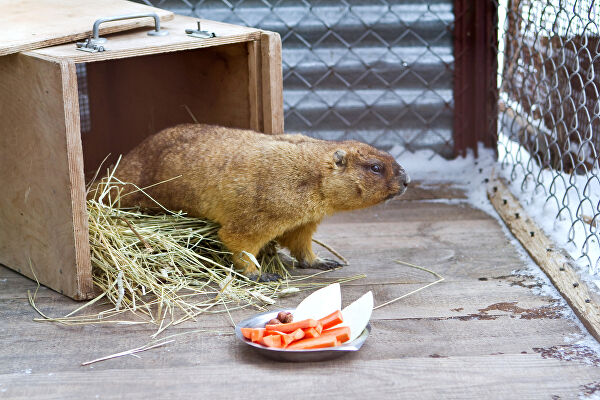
376,168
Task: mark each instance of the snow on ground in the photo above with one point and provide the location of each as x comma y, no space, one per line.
470,174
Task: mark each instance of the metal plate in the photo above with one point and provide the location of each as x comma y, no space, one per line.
329,353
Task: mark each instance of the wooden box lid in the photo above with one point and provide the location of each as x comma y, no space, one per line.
138,43
32,24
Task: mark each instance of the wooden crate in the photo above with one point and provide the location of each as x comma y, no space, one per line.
140,85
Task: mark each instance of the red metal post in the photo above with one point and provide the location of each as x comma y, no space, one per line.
475,74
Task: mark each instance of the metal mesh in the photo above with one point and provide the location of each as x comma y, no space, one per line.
377,71
549,120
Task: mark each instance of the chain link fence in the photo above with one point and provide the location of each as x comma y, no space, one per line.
549,112
376,71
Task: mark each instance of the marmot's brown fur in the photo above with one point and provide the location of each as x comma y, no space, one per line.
260,187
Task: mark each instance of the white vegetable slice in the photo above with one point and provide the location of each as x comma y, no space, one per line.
357,315
320,303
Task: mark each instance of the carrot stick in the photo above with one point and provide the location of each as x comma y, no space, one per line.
292,326
271,341
286,338
257,334
297,334
247,332
292,337
311,333
332,319
319,328
342,333
314,343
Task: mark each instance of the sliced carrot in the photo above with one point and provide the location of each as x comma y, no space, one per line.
292,326
311,333
332,319
254,334
247,332
271,341
292,337
342,333
314,343
298,334
257,334
286,339
319,328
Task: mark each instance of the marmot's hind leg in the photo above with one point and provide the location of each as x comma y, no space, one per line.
299,241
242,243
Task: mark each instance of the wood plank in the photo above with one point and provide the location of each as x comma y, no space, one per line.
83,265
255,86
41,219
555,263
390,339
447,300
491,377
272,82
410,211
138,43
31,24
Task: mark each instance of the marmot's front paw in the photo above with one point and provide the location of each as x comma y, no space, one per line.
326,264
265,277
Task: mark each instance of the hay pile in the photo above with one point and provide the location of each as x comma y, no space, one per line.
169,268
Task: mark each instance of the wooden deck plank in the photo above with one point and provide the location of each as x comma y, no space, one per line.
502,376
429,337
447,299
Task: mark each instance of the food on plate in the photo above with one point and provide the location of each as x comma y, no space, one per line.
300,335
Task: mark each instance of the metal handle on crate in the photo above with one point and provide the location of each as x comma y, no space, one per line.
93,44
156,32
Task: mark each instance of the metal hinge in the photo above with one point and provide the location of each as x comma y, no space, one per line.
199,33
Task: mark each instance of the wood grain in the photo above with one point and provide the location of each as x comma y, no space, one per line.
483,377
554,262
42,214
83,263
272,82
255,86
133,98
31,24
138,43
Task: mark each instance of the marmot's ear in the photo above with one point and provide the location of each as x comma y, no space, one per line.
340,157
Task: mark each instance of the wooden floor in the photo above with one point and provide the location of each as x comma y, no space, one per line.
483,333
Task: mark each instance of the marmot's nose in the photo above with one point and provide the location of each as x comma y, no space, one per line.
403,178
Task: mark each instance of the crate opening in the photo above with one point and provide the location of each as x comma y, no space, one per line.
123,101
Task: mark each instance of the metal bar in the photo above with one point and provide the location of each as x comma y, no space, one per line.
475,86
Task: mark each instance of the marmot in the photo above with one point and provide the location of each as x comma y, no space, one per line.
260,187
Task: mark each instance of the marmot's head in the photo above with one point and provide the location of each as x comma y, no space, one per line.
362,176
